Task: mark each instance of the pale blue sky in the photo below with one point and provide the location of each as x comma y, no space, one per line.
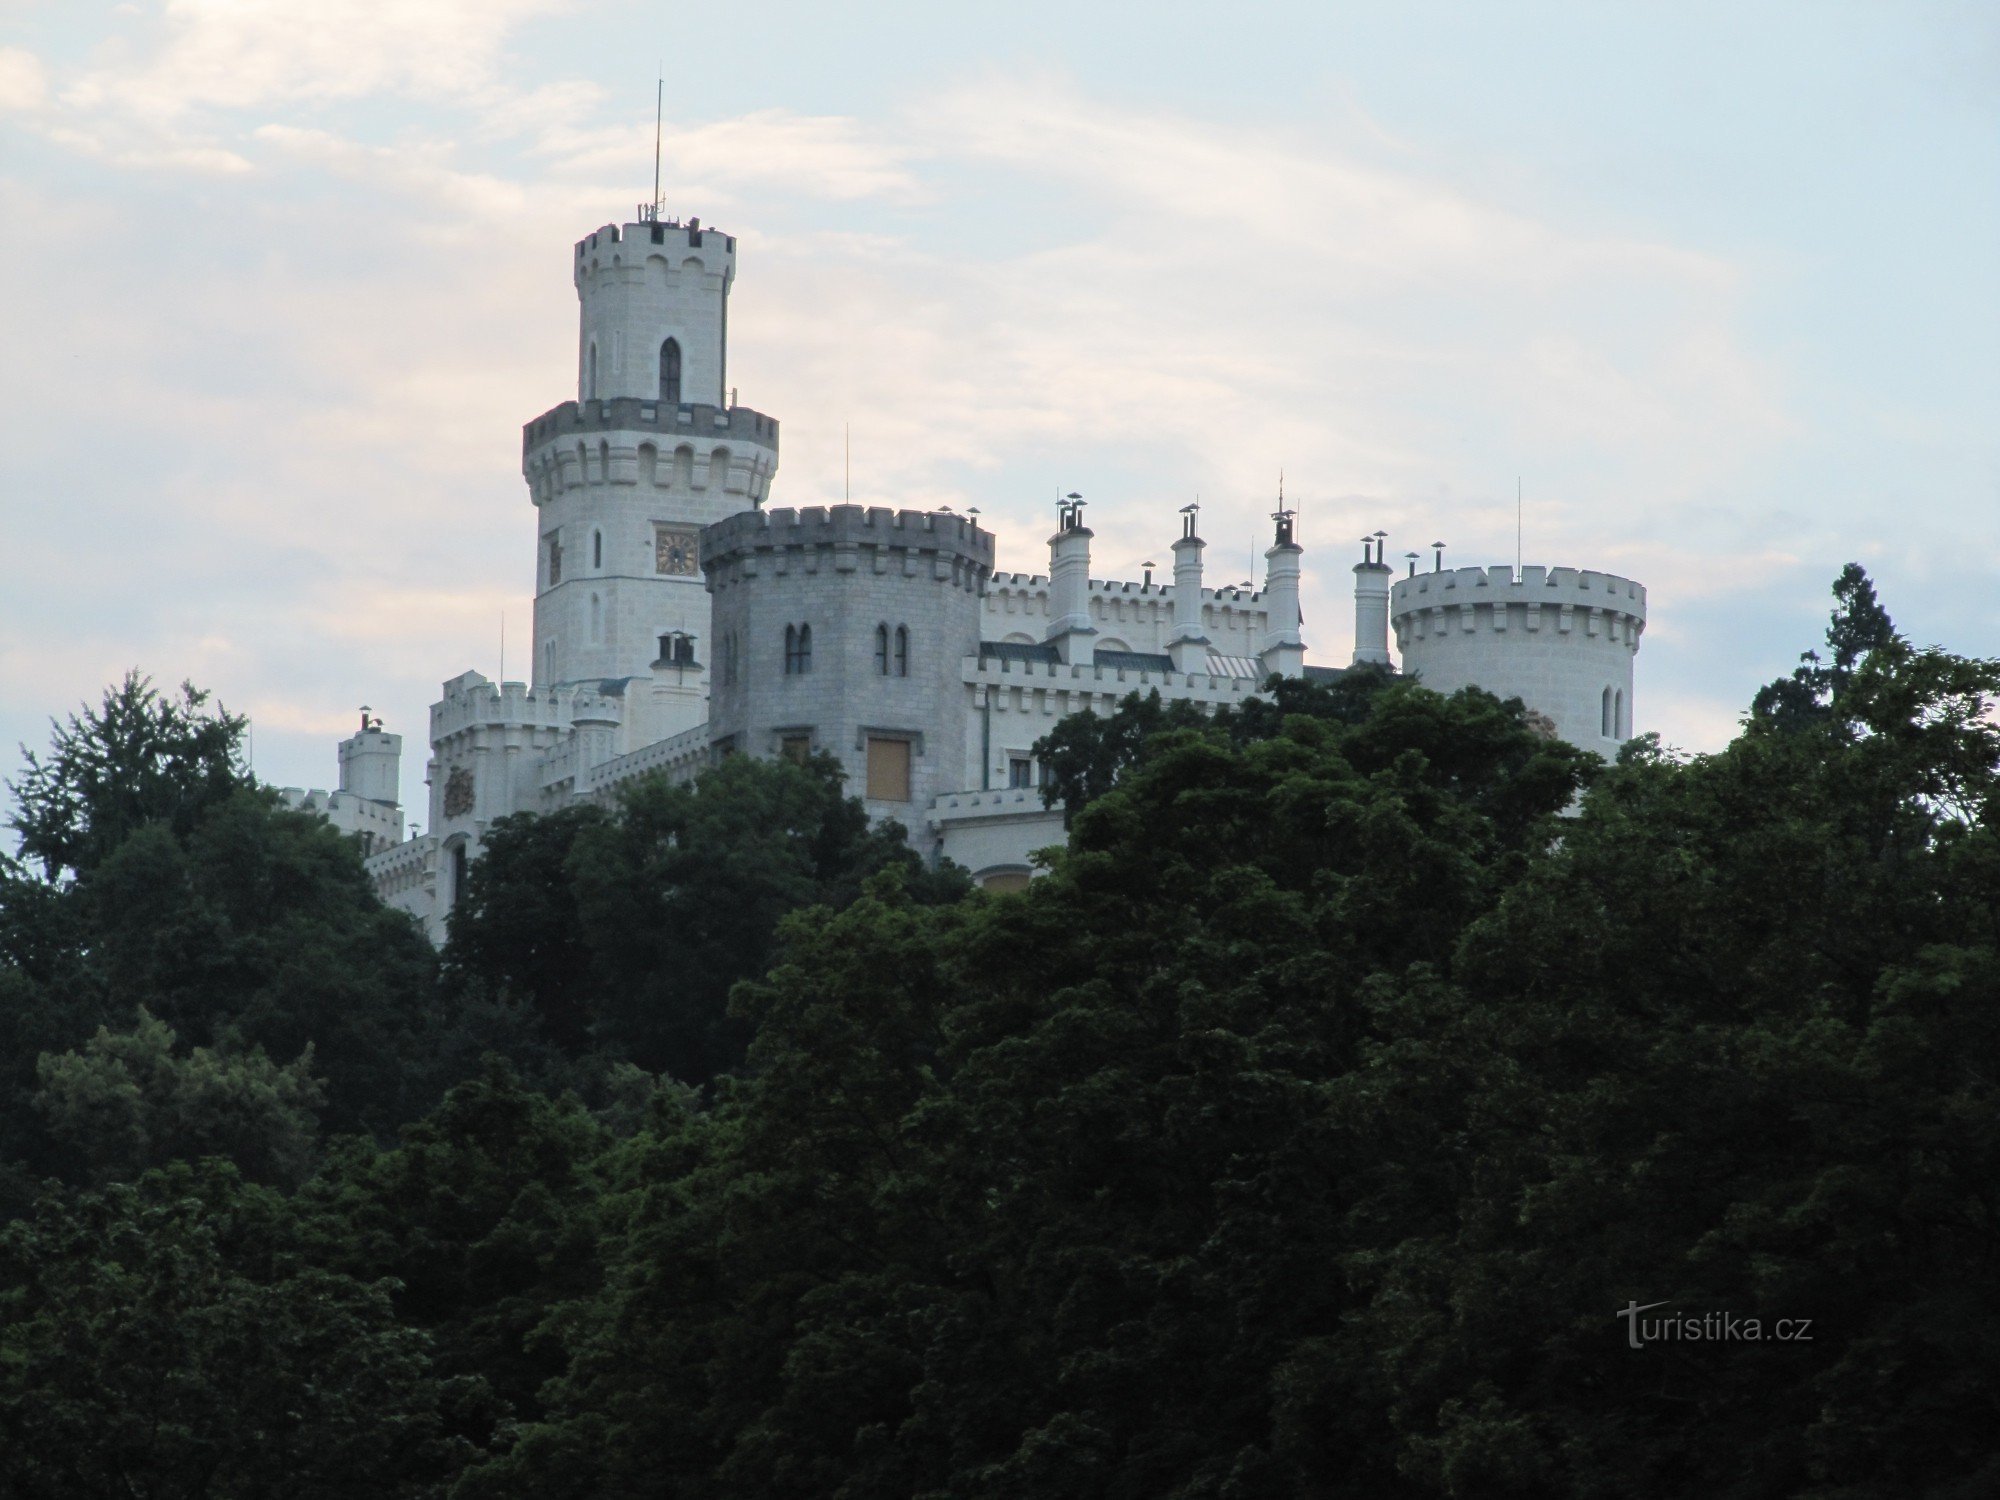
1721,283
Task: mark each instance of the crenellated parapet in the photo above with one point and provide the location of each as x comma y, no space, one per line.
846,539
1541,598
1562,640
650,447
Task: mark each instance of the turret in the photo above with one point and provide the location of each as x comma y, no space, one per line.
1562,640
371,763
1187,642
1070,629
655,305
1371,604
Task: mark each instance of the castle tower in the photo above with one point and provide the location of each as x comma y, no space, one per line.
624,478
1560,639
847,630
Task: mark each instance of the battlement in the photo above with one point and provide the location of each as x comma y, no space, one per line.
471,700
845,527
619,240
1038,584
1474,588
629,414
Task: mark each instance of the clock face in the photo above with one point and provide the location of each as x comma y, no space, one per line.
676,551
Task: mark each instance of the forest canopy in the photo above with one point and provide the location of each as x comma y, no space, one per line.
1306,1128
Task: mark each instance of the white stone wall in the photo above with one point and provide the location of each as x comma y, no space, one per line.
843,571
1556,638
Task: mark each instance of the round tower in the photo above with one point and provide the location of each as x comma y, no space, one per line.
1562,640
624,478
847,630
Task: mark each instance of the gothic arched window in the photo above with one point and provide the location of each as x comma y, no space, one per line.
597,549
902,651
882,649
590,376
670,371
798,650
1621,725
1604,716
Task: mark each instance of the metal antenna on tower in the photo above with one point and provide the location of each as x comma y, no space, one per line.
659,120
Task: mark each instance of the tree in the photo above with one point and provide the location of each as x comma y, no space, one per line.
126,1103
1033,1195
139,758
516,930
626,931
157,1340
481,1220
1860,626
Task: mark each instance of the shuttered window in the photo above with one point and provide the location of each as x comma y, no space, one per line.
888,770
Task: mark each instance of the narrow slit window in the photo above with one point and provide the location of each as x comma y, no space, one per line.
1604,715
902,651
882,649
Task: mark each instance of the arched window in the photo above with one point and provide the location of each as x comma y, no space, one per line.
798,650
1619,722
603,462
1604,716
596,618
902,651
590,375
670,371
882,649
597,549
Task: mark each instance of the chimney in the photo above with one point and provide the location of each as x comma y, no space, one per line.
1371,605
1283,649
1187,643
1071,630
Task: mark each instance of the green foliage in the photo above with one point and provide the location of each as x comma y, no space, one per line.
479,1220
629,930
126,1102
156,1340
1812,694
139,758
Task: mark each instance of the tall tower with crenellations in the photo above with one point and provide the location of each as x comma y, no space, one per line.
624,477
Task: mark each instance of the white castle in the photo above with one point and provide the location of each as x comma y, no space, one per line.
677,619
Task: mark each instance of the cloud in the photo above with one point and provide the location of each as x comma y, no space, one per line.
225,54
23,79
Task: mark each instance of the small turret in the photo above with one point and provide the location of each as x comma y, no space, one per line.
371,763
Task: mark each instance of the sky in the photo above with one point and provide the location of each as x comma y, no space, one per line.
1717,286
